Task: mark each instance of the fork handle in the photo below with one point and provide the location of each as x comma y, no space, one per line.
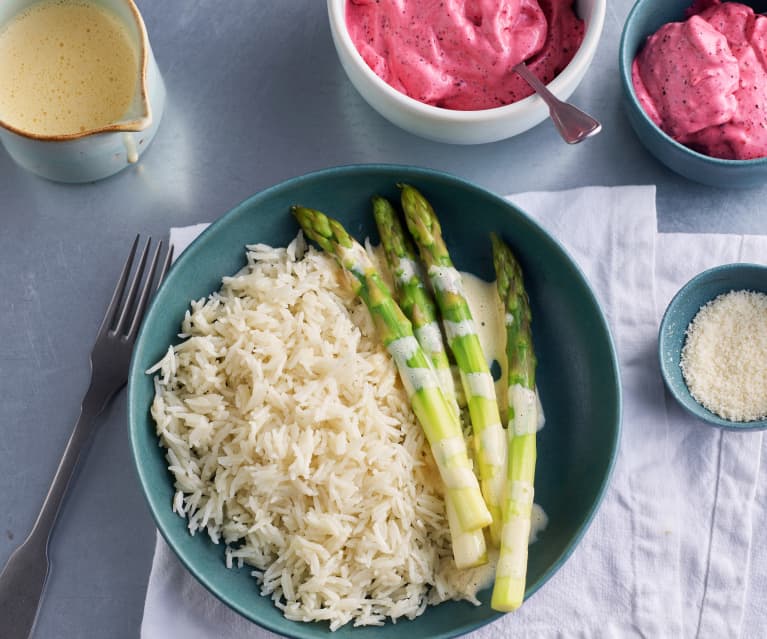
22,580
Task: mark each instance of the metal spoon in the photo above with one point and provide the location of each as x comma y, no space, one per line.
573,124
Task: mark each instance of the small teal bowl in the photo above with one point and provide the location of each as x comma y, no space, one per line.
645,18
577,377
680,312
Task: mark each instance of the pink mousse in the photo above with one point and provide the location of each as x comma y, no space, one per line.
704,81
459,54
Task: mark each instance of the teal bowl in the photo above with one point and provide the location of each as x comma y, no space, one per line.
680,312
644,19
578,372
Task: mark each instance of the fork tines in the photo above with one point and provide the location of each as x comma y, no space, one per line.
129,300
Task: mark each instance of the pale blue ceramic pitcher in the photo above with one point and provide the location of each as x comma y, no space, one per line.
97,153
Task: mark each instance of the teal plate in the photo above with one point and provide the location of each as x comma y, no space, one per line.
578,374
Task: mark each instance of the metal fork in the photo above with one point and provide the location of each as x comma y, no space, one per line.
23,578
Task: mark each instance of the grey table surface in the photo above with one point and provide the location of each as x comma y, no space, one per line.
256,95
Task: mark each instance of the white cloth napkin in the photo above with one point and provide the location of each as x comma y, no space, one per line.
676,548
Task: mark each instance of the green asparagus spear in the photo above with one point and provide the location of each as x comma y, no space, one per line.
509,589
418,305
477,382
411,293
440,423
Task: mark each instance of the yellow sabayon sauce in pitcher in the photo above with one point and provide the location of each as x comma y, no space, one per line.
66,66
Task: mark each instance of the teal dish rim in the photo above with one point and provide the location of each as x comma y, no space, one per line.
671,340
626,58
189,255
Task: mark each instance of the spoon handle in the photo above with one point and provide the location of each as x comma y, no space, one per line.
573,124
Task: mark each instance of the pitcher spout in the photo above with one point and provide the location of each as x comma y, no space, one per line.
138,116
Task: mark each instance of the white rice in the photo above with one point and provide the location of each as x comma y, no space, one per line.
291,440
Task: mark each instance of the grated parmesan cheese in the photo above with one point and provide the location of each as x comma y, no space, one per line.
724,358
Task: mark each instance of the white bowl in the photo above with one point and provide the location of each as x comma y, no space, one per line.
463,127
